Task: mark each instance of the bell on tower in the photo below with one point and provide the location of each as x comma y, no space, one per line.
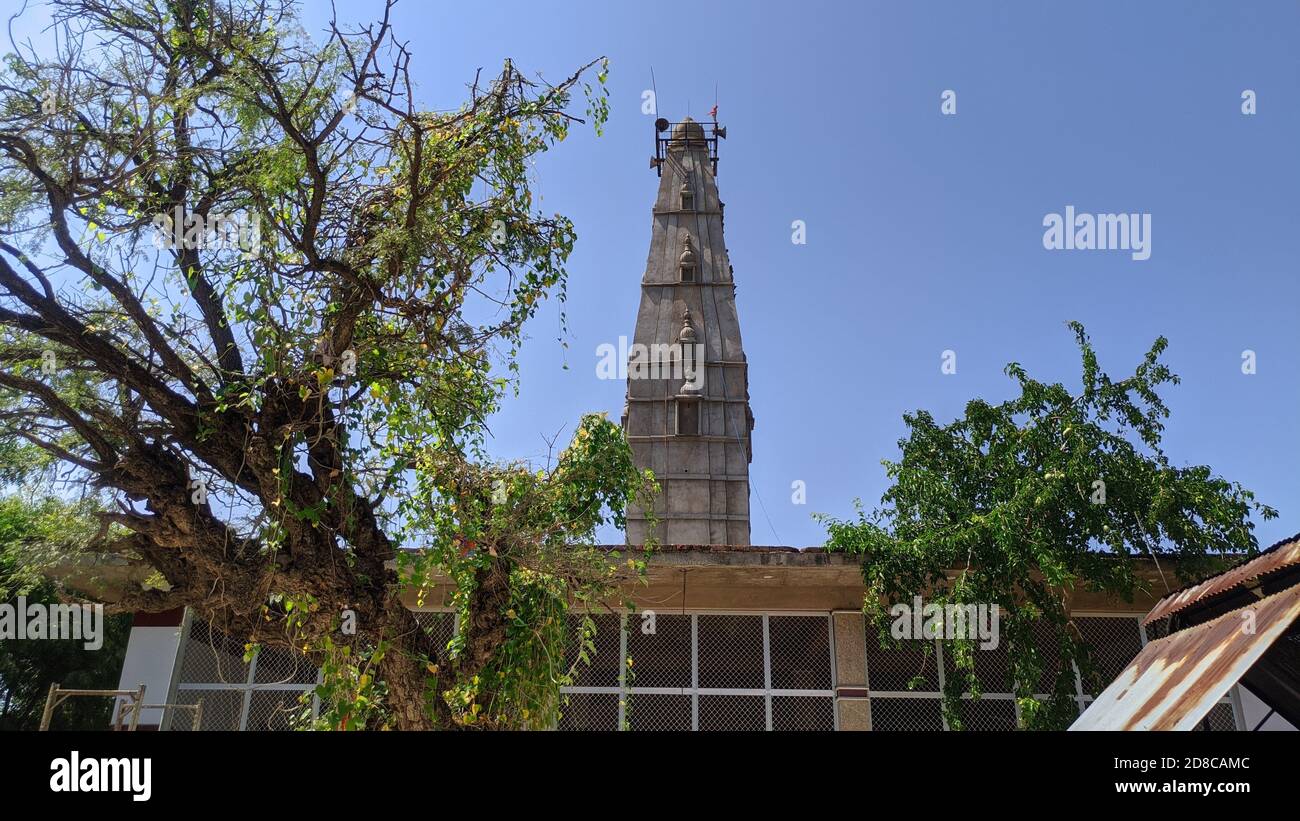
693,432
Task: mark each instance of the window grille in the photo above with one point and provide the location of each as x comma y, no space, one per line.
707,671
1114,640
264,694
692,671
590,711
441,625
1220,718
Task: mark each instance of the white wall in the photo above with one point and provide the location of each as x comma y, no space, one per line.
150,656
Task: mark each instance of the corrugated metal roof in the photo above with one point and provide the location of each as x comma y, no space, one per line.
1175,681
1283,554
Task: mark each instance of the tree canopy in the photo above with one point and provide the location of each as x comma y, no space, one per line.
34,533
260,301
1021,503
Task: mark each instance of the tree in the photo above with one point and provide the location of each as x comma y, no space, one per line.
30,534
256,297
1019,503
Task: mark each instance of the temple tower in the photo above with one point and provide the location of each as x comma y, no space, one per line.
687,415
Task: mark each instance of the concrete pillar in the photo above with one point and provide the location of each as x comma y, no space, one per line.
852,699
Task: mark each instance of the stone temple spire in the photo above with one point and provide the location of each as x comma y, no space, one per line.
689,420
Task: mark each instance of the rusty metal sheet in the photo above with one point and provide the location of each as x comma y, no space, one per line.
1175,681
1283,555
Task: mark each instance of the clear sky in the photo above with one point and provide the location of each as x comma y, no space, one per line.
924,231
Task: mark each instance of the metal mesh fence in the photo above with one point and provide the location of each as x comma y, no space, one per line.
604,660
902,666
1219,719
660,649
732,712
905,714
704,671
1048,650
271,692
904,681
277,709
211,656
993,668
1113,642
221,710
799,653
589,711
731,652
659,712
438,624
987,714
277,666
266,693
711,671
803,713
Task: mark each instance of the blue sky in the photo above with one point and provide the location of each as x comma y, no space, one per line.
924,231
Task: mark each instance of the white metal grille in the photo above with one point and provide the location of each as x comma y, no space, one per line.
707,671
732,712
730,652
912,714
272,692
590,711
987,713
1220,718
803,713
662,659
221,709
659,711
603,665
906,682
268,693
1113,643
441,625
691,671
798,648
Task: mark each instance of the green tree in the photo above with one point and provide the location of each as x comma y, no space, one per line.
30,533
259,300
1018,504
